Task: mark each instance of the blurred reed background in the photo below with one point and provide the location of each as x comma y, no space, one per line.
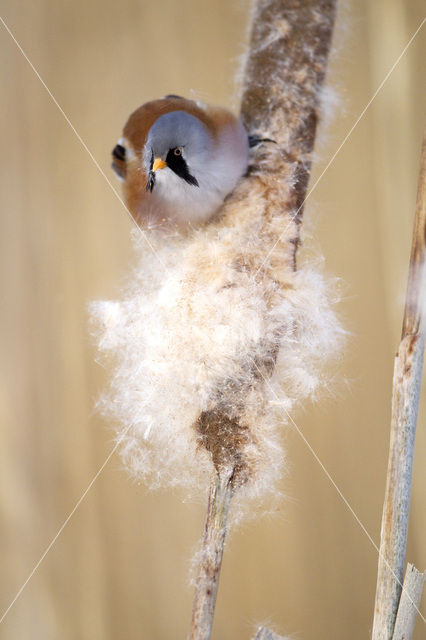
119,570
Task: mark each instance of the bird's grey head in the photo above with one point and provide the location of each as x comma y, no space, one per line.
181,141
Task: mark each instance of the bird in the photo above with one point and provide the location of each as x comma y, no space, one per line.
178,159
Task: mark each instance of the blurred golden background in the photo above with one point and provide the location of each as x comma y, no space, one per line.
120,567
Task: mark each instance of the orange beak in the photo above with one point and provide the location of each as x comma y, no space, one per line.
158,164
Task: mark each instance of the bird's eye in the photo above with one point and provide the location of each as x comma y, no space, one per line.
177,151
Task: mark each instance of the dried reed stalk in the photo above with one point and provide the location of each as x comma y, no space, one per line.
210,560
409,603
405,402
285,68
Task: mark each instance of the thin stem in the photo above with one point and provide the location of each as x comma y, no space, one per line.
210,561
405,402
410,601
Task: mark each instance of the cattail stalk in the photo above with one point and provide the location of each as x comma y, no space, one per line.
285,68
288,52
405,402
211,554
409,603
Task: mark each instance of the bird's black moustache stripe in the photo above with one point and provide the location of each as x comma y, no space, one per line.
150,182
151,175
177,164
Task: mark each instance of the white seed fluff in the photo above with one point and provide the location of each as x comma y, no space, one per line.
196,335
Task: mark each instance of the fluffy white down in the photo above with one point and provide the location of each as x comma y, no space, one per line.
179,334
